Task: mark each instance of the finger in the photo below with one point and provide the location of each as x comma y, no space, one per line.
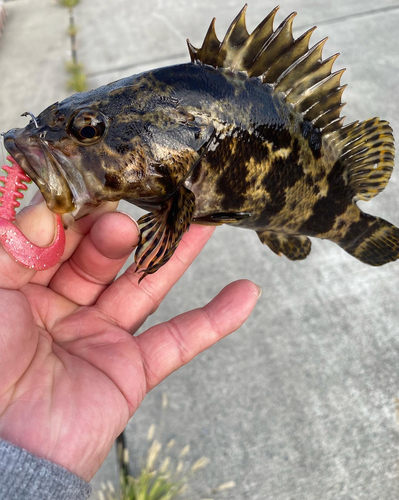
129,303
137,364
168,346
37,224
97,260
74,235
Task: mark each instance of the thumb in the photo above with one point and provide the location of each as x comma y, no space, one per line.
37,225
36,222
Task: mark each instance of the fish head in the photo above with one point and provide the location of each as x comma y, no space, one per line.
121,141
50,148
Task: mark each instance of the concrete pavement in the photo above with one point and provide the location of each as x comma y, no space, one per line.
301,402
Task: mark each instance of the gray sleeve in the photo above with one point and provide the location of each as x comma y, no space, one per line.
24,476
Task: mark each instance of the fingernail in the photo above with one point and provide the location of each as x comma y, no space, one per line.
130,217
36,199
259,290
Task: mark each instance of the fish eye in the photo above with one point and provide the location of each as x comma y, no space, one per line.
87,126
88,132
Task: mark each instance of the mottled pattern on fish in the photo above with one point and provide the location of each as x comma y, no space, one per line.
248,134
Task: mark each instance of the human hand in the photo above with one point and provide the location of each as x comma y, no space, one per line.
71,373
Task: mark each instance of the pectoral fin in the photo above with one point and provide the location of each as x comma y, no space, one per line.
294,247
161,231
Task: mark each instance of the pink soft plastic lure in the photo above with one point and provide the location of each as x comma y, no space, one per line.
13,240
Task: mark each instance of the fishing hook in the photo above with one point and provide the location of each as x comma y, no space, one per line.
28,113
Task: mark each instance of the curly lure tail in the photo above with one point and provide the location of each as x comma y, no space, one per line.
13,183
12,239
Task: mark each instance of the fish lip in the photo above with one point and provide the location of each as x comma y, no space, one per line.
59,181
12,148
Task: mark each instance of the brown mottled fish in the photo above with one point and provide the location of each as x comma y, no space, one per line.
248,134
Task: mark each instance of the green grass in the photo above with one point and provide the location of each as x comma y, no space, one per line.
69,3
165,473
159,478
77,81
77,78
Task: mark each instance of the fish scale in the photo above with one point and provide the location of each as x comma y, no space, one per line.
249,134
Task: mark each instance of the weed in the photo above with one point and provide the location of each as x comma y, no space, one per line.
164,475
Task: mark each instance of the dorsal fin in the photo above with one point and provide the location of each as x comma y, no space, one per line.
367,151
287,64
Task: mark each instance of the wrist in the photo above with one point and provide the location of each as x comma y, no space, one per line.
23,475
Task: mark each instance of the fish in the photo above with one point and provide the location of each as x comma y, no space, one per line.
249,133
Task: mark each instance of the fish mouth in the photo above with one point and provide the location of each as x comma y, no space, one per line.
60,182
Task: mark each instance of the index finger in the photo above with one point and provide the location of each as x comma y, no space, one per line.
128,303
74,236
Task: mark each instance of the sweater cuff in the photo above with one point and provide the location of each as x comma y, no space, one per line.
23,475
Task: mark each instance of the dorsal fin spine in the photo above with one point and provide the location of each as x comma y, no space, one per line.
237,33
210,47
288,80
313,69
277,44
257,39
334,126
281,61
327,105
300,48
192,51
318,91
328,117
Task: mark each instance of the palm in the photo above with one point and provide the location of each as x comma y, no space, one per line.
72,374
